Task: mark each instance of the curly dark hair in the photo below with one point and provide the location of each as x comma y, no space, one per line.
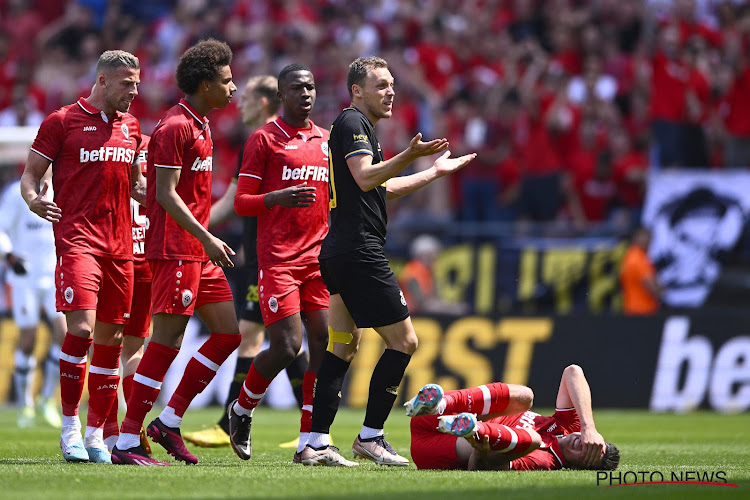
610,459
202,62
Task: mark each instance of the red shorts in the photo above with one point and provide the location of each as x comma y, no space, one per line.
181,286
140,311
87,281
283,291
430,448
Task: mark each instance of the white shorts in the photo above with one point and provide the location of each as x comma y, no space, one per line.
28,301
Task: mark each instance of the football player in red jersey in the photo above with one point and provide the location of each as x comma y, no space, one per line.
259,104
284,182
500,433
184,257
137,328
92,146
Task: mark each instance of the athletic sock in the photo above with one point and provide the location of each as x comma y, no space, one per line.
22,376
369,432
252,392
104,378
296,373
308,388
127,387
111,427
51,372
201,369
146,386
327,397
386,377
482,400
240,373
72,372
503,439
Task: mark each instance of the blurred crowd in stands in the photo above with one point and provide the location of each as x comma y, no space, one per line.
568,103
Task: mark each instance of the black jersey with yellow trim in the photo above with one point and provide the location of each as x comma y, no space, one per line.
358,218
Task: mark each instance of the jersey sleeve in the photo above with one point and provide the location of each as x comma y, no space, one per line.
171,141
567,419
49,138
255,156
536,460
353,137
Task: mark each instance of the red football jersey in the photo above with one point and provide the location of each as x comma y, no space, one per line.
141,271
282,156
548,456
91,157
181,140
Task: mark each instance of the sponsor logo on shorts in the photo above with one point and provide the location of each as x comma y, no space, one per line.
273,304
392,390
187,298
126,316
403,299
69,295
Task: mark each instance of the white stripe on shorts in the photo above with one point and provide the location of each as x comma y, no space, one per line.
73,359
200,358
513,440
154,384
103,371
487,399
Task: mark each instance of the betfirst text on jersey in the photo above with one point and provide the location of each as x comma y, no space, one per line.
109,153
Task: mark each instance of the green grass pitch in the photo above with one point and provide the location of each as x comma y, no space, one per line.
31,466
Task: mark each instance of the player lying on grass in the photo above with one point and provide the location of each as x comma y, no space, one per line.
500,433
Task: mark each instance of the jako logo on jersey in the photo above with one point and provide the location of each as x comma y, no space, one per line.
291,146
273,304
305,173
109,153
69,295
187,298
89,128
203,165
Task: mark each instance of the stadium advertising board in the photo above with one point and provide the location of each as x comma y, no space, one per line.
665,363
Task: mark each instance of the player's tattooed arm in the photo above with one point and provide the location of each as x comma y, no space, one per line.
138,189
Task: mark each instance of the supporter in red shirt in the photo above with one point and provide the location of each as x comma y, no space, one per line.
630,168
596,188
284,183
737,119
92,147
185,259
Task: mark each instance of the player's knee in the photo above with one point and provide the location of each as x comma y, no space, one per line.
524,396
407,345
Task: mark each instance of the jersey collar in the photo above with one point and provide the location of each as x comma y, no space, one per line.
554,448
290,131
88,108
202,120
358,111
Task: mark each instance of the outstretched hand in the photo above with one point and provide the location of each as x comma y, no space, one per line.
593,445
446,165
45,207
418,148
297,196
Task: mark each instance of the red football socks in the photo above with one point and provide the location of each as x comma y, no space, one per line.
308,386
104,377
482,400
72,372
201,369
253,389
503,439
147,385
